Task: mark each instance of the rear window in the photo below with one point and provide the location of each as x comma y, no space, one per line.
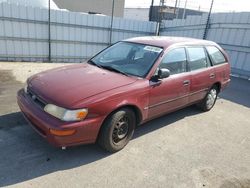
216,55
197,58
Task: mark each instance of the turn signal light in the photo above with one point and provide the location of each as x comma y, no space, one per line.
62,132
81,115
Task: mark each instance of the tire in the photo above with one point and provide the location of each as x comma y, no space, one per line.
208,102
117,130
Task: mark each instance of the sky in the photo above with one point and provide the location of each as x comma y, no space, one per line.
219,5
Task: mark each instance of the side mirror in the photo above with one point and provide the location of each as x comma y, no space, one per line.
160,74
163,73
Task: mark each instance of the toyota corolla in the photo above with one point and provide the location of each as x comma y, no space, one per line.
126,84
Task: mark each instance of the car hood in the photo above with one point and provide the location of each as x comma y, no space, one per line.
65,86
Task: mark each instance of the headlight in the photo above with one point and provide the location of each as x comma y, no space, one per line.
64,114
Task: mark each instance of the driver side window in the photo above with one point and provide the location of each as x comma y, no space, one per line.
175,61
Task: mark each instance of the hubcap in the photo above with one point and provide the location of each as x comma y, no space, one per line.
120,130
211,97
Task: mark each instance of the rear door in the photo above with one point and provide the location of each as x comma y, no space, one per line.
201,71
170,93
220,63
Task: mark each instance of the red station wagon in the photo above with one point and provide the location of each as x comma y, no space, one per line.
126,84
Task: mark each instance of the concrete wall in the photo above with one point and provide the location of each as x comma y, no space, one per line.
136,13
99,6
33,3
230,30
74,36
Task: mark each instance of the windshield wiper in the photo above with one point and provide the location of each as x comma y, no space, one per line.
93,63
108,67
111,68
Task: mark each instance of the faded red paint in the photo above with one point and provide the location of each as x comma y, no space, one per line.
102,92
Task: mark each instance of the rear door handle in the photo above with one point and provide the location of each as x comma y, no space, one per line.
212,75
186,82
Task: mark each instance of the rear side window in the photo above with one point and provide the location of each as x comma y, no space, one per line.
216,55
175,61
197,58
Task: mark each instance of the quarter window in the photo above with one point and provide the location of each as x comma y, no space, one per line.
175,61
197,58
216,55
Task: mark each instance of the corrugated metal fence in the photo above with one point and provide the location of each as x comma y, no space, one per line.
230,30
74,36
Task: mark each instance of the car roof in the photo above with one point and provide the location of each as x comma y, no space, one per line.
167,41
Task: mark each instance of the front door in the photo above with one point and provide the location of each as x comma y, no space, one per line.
170,93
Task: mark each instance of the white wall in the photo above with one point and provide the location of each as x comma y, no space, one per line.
33,3
136,13
99,6
74,36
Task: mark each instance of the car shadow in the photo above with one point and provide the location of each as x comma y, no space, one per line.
237,92
25,155
166,120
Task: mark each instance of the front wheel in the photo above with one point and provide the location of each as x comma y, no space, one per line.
208,102
117,130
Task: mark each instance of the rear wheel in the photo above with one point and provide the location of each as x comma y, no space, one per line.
208,102
117,130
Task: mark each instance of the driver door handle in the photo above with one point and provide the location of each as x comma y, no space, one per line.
186,82
212,75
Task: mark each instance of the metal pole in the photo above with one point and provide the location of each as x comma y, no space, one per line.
208,20
162,5
111,22
158,25
49,34
151,10
175,6
177,15
184,11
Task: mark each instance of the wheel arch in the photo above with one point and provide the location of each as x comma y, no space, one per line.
218,85
134,108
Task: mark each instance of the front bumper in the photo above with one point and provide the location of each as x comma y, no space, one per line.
86,131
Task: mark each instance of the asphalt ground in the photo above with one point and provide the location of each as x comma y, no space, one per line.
187,148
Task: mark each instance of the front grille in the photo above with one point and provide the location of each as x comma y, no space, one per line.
35,98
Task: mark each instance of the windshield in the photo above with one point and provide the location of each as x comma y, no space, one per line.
128,58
